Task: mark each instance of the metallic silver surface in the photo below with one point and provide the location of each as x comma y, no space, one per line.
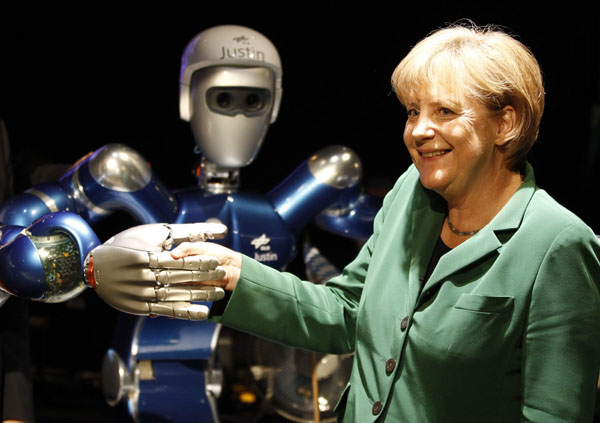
154,237
337,166
117,383
164,260
194,232
3,297
80,196
133,398
157,237
179,310
132,272
228,45
48,201
209,293
167,277
230,141
216,179
120,168
214,376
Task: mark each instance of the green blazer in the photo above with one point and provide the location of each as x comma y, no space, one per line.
506,329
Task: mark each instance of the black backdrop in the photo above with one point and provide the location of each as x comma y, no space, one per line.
73,80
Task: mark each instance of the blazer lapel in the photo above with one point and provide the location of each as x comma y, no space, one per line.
485,242
470,251
427,221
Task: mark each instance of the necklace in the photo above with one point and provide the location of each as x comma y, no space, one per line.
457,232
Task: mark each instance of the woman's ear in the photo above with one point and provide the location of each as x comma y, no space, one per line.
507,125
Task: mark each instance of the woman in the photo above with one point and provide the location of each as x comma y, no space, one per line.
476,299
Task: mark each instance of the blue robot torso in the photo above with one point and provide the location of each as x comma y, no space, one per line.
255,227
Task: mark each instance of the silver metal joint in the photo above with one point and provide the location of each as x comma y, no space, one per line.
337,166
217,180
117,382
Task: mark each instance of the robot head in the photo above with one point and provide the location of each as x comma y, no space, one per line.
230,91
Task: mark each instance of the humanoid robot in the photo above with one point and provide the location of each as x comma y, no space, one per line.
167,369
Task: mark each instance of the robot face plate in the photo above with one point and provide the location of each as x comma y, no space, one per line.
231,112
232,101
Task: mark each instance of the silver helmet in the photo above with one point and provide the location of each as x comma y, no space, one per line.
230,91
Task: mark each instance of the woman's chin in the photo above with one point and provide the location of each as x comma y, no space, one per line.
433,182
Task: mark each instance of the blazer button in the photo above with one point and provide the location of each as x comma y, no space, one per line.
404,324
377,407
390,365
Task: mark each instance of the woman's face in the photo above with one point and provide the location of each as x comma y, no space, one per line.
452,142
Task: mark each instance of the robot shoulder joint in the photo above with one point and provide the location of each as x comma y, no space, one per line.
111,163
337,166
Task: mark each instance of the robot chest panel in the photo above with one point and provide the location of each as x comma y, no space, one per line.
255,228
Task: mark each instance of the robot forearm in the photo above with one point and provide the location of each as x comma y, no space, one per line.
37,201
315,185
327,185
116,177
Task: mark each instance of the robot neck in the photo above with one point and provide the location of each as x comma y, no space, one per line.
216,179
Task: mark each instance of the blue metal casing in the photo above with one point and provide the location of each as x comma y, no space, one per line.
161,338
150,204
27,207
20,262
300,197
248,217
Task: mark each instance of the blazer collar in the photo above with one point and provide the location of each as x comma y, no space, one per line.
475,248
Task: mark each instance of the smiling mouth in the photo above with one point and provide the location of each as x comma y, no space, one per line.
434,153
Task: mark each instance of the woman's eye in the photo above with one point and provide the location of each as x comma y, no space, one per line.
445,111
412,112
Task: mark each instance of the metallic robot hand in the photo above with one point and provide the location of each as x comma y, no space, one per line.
135,273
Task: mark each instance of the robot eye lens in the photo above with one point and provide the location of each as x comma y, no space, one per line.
224,100
233,101
253,101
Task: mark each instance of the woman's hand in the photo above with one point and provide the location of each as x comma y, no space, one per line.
228,259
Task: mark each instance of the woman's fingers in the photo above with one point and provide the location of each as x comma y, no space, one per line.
229,260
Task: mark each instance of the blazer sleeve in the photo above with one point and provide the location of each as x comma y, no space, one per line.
562,337
281,307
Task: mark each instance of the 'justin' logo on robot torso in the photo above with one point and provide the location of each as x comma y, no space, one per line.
263,249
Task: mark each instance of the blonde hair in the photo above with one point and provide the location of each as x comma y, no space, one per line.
484,64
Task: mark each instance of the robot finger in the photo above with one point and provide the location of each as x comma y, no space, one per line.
164,260
190,293
166,277
192,232
179,310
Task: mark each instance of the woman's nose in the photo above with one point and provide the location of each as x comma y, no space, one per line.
423,128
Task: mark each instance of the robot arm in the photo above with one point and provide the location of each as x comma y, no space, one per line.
351,216
116,177
327,186
135,273
42,249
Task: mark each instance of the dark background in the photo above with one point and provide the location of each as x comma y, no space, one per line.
74,79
